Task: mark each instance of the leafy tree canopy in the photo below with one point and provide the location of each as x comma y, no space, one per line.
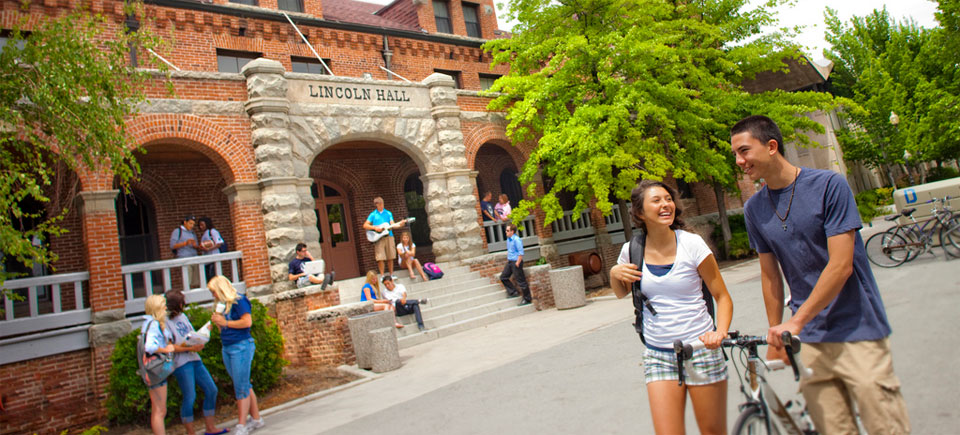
614,90
66,85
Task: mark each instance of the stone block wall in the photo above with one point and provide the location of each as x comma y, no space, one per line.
314,326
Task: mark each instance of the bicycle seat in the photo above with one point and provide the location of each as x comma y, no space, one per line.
908,211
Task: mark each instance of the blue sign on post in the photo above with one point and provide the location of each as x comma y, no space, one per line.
910,196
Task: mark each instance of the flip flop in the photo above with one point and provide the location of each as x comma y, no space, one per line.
222,431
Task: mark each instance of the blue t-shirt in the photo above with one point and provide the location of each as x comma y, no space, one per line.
379,218
296,265
230,336
487,206
363,296
823,207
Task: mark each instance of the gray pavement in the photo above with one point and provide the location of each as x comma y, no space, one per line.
577,371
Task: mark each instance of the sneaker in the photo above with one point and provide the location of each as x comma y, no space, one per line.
513,295
424,301
422,328
524,303
327,280
239,430
253,425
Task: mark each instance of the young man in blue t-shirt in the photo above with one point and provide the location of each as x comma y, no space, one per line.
384,249
805,223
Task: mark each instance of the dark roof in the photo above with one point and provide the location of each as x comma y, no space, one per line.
358,12
801,74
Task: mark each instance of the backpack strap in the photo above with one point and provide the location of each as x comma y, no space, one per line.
635,251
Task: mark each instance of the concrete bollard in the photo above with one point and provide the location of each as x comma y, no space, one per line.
384,350
360,326
568,289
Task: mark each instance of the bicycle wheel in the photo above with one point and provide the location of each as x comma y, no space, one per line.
887,250
950,237
752,422
914,240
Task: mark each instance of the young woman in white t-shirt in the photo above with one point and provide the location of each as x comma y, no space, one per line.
675,262
406,256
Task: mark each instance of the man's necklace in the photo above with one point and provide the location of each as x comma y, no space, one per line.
783,220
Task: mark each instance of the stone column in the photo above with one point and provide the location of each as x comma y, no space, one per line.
450,195
244,202
281,187
102,244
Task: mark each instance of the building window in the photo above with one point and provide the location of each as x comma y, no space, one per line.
442,14
308,65
454,74
290,5
245,2
486,80
470,18
232,61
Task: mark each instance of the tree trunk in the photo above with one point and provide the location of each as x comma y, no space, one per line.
886,170
627,219
724,222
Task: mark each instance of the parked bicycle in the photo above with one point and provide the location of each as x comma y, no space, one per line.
762,412
904,242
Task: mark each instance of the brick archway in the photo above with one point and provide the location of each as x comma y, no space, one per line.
484,134
233,159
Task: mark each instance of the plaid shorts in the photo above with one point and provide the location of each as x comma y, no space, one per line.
659,365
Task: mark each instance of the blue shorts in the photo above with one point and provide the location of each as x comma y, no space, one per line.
237,359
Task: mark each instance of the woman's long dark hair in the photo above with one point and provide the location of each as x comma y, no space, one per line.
175,303
637,196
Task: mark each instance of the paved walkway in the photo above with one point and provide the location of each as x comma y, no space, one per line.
577,371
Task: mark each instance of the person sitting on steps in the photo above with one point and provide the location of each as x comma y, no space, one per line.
369,293
397,293
296,272
406,256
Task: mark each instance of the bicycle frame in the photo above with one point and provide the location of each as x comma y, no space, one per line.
761,394
940,219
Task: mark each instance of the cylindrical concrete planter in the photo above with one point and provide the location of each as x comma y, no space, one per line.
568,289
384,350
360,327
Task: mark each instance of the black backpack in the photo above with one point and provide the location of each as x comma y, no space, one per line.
641,301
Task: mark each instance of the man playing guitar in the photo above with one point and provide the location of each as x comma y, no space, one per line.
384,248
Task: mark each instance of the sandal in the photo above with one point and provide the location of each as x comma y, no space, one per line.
222,431
398,325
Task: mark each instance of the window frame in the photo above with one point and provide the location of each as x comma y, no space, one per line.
246,2
484,76
476,24
310,61
235,54
437,18
299,4
457,76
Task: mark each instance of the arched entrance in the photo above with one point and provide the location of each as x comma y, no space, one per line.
338,239
137,228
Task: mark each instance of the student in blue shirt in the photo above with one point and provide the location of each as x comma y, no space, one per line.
384,249
514,267
805,223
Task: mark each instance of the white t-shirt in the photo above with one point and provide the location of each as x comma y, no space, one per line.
677,296
179,327
403,250
394,295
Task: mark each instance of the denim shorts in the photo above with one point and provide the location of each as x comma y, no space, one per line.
237,359
660,365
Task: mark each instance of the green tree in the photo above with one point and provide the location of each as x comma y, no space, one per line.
614,90
895,68
66,86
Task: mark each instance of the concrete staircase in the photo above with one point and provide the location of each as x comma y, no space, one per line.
460,301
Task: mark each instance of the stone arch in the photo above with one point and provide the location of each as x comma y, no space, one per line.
233,159
416,153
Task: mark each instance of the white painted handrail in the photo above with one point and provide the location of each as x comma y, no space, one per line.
134,305
567,228
497,239
59,317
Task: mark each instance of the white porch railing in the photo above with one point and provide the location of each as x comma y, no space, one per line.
59,315
138,279
497,235
566,228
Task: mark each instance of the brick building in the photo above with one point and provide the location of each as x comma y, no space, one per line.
278,148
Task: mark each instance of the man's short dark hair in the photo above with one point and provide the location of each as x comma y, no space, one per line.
512,227
189,218
300,246
761,128
386,278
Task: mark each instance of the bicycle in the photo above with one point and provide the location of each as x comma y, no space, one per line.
903,243
762,412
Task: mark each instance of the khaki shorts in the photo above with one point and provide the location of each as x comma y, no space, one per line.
384,249
859,370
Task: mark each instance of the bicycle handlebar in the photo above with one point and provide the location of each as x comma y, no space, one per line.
792,344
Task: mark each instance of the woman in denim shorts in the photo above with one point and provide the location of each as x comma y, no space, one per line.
232,315
675,264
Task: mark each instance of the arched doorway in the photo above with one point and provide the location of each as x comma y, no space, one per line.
136,228
417,207
338,239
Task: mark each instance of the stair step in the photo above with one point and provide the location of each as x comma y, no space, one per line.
464,325
418,291
444,305
447,299
467,313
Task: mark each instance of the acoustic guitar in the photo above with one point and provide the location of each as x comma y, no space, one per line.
385,228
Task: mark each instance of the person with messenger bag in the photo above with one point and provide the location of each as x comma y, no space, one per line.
668,277
155,352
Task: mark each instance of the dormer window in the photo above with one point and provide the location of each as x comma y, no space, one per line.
472,20
442,15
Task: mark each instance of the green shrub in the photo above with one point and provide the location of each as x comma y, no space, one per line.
128,400
870,201
942,173
739,246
